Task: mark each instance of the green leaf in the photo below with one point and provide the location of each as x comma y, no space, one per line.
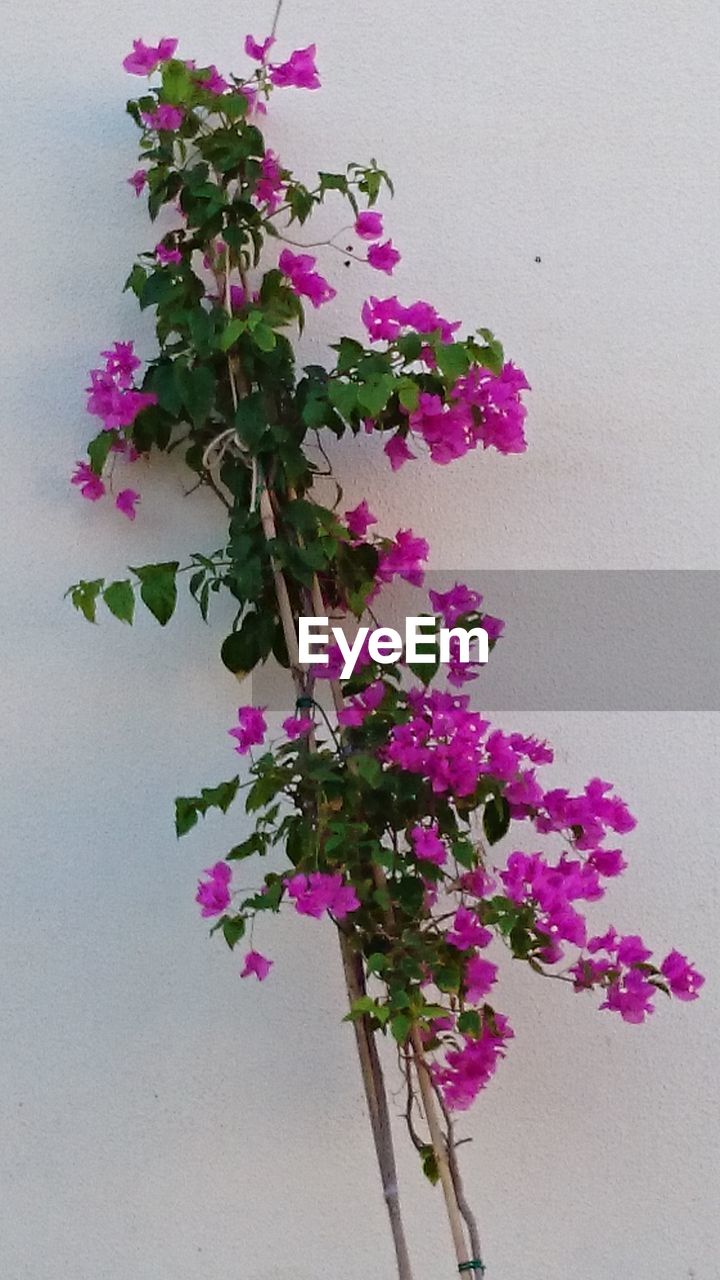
429,1165
84,597
496,818
197,389
401,1026
120,600
186,815
163,380
242,650
158,588
469,1022
233,928
374,394
409,395
231,333
453,360
98,450
343,396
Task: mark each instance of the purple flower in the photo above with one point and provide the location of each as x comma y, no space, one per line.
213,894
299,72
398,452
213,82
165,118
270,186
359,519
250,730
632,997
298,726
369,225
144,58
404,559
480,976
126,502
138,181
304,281
383,257
428,846
90,485
317,893
256,964
467,931
165,256
258,51
682,978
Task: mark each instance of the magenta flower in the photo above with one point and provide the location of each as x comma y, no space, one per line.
90,485
383,257
369,225
480,977
632,997
121,362
258,51
213,82
359,519
317,893
682,978
138,181
398,452
270,186
304,281
166,256
145,58
256,964
467,931
428,846
213,894
405,559
165,118
126,502
251,729
299,72
298,726
469,1069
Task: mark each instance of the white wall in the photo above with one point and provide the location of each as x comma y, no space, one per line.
159,1118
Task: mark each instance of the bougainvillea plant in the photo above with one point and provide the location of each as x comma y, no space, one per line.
387,809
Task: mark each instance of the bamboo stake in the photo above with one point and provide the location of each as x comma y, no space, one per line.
439,1147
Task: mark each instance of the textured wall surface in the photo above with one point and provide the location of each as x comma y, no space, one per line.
159,1119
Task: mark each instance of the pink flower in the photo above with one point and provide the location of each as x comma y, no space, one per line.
467,931
165,256
359,708
428,846
317,893
480,976
469,1069
298,72
632,997
145,58
398,452
255,104
456,602
683,980
405,559
304,281
138,181
126,502
90,485
213,82
256,964
298,726
250,730
258,51
213,894
121,362
165,118
632,950
359,519
383,257
369,225
270,186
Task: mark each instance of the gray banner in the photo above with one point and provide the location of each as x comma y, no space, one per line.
595,640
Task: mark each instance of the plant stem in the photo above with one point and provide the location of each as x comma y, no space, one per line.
440,1148
370,1065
